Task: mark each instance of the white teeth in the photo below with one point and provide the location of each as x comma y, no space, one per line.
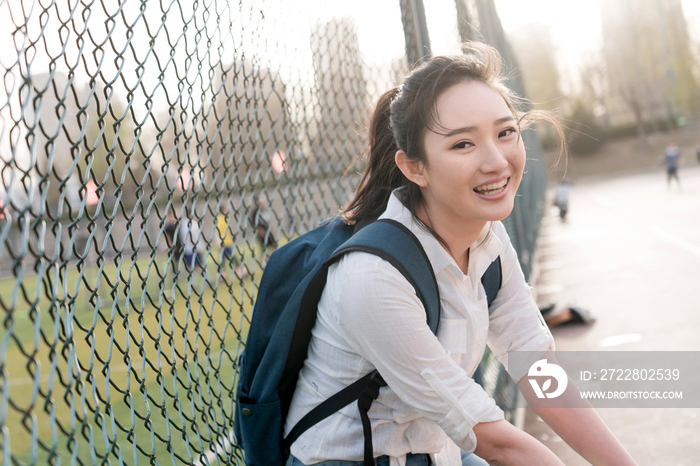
486,188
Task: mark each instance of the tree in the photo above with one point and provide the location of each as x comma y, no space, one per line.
649,62
585,135
594,87
631,95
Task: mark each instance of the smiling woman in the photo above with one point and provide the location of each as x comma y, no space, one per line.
470,172
445,160
450,137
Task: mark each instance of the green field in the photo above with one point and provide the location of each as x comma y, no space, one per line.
116,360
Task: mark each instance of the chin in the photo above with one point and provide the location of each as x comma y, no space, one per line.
501,214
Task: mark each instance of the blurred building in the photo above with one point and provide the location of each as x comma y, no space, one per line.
60,123
341,95
75,129
248,129
648,60
50,123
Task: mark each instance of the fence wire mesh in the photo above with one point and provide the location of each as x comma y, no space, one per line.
152,155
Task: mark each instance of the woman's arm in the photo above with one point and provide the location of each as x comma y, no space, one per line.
501,443
579,425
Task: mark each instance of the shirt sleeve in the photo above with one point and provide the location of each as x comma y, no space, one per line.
384,321
515,322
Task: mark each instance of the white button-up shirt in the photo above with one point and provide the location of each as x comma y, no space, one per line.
370,317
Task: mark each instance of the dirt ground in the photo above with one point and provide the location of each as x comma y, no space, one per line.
627,155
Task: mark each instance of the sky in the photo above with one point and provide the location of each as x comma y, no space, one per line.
574,25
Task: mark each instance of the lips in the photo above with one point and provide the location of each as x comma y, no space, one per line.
492,189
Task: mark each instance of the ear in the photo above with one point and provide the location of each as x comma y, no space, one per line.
412,169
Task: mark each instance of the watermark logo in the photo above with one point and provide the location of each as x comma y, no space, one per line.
541,369
608,379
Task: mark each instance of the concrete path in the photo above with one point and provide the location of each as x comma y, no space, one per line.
630,253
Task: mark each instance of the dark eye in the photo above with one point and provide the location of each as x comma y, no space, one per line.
462,145
506,132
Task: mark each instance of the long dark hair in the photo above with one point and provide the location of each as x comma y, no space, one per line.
403,115
381,175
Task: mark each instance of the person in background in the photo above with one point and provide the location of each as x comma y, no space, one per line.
227,243
170,230
189,235
172,241
672,155
263,233
561,198
224,234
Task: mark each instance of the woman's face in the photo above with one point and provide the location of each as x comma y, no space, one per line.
473,168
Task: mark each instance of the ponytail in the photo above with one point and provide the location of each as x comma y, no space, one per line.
381,175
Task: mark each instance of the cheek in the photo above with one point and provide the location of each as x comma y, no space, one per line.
518,158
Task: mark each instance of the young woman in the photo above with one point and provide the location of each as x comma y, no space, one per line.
445,159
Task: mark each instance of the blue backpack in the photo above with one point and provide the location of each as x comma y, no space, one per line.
284,314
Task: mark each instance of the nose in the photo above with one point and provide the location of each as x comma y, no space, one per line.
495,158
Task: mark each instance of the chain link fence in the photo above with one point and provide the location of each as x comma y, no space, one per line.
152,155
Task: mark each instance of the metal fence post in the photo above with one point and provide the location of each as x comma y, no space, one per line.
415,30
464,21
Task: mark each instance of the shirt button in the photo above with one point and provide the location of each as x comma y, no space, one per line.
246,412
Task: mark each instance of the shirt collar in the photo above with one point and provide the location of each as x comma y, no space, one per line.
484,250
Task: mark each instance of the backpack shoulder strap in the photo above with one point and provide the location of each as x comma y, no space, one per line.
396,244
492,280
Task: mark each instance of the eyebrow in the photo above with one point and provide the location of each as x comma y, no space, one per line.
471,129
